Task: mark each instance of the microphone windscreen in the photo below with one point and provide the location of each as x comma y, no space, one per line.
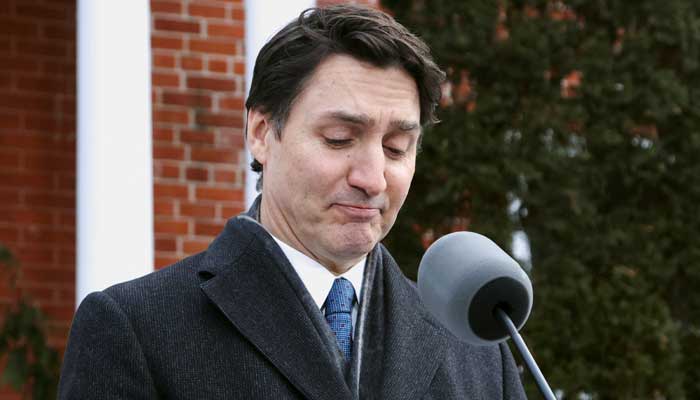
463,277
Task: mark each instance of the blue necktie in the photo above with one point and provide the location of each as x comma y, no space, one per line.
339,314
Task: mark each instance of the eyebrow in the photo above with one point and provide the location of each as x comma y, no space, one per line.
365,120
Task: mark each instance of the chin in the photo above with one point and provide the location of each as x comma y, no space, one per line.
357,243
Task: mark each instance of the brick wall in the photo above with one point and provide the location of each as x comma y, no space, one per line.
37,155
37,151
198,142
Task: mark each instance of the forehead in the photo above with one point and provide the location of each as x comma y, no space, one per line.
341,82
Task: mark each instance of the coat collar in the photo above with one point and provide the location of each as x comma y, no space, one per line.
246,283
251,282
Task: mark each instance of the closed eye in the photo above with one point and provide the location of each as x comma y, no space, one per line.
337,142
394,152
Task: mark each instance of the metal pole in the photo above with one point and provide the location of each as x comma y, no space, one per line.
525,353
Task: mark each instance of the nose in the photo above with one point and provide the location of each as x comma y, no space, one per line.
367,170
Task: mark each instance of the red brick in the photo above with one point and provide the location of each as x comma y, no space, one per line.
67,125
66,219
48,275
18,28
9,234
226,30
50,237
210,154
49,48
164,152
161,170
223,194
163,207
49,199
164,60
239,68
9,159
162,191
195,246
206,11
197,174
7,82
218,65
64,312
37,256
163,134
165,244
40,123
238,14
231,103
9,121
165,79
173,116
187,99
209,46
26,102
33,179
45,84
38,217
219,119
191,63
66,257
67,182
167,225
172,25
211,83
169,7
67,105
40,294
10,196
223,176
58,67
208,228
160,42
50,161
60,31
44,12
163,261
197,210
190,136
27,140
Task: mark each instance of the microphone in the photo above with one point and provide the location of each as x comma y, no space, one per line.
479,293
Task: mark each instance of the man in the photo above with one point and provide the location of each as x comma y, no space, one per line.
297,299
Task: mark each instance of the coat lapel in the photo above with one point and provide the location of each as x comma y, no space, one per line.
247,284
402,346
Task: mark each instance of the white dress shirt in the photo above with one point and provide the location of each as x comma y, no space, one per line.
319,280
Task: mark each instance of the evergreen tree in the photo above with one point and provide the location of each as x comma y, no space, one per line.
578,123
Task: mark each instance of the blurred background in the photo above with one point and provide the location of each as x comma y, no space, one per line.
570,136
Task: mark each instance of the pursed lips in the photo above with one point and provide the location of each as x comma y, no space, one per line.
358,211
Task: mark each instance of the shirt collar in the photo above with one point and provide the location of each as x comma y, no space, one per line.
319,280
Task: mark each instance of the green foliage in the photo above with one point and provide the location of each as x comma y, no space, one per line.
31,365
603,177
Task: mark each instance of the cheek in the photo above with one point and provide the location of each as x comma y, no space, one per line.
316,172
400,182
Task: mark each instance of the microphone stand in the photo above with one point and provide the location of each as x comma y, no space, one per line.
525,353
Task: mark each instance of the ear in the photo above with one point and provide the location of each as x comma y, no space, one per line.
259,132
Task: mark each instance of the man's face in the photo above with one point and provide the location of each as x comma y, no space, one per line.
335,181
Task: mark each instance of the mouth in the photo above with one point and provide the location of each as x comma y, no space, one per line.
357,212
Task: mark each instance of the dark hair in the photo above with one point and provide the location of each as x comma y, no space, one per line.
288,60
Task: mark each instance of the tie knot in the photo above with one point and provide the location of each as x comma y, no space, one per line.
341,297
